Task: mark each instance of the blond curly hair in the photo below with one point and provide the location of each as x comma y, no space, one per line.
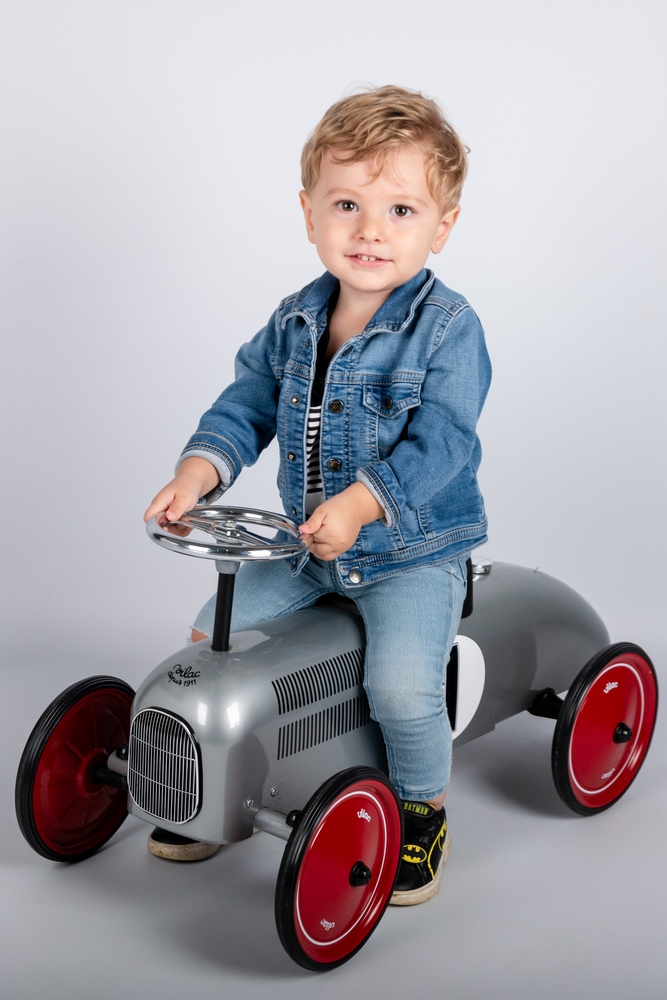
368,125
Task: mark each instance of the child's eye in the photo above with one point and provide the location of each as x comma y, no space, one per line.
346,206
402,211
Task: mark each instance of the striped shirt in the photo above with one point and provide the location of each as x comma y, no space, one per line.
314,486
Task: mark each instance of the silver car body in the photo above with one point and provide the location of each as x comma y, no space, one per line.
216,736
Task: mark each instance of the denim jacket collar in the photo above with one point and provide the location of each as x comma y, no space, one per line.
393,316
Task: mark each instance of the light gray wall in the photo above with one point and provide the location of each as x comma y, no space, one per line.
150,223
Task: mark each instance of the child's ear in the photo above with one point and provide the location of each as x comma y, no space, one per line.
445,227
307,206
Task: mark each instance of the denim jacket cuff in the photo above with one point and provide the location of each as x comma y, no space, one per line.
362,477
219,465
385,487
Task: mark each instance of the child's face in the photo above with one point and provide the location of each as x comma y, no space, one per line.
374,234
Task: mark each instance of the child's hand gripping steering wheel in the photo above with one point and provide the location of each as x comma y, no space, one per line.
230,543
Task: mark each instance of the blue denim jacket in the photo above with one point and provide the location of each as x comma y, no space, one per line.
399,412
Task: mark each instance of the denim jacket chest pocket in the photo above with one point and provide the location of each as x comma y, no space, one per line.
386,413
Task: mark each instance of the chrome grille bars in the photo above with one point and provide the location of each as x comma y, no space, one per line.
163,766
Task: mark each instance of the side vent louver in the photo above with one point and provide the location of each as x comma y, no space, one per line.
321,726
319,681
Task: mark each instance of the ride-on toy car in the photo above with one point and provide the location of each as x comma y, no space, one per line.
270,729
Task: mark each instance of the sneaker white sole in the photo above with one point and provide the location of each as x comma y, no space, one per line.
413,896
182,852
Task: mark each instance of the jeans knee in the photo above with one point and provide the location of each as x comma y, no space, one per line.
404,706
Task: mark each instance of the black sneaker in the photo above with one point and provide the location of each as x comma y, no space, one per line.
425,849
174,847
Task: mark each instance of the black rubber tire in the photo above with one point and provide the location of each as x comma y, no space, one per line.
52,845
328,807
596,746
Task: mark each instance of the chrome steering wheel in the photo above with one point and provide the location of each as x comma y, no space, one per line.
229,539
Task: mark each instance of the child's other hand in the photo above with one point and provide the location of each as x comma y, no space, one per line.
194,478
333,527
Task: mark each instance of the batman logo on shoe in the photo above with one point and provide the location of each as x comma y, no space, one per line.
414,854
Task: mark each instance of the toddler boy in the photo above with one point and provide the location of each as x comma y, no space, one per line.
373,378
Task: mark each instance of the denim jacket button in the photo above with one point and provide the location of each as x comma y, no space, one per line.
388,402
333,464
355,576
291,457
295,400
336,406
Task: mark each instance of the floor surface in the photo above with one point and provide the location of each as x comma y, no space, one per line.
534,901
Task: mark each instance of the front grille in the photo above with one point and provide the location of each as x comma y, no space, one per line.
163,766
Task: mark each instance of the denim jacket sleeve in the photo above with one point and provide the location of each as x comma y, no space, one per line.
441,436
242,421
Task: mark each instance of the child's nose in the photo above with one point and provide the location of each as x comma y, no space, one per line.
371,227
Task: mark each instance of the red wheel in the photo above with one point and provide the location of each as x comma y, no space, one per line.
604,728
339,868
62,814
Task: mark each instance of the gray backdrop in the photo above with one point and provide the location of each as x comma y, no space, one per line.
150,224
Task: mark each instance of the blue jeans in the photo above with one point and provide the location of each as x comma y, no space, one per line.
411,621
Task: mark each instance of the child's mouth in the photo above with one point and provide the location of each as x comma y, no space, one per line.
367,260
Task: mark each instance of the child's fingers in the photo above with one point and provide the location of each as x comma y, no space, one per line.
313,524
166,519
323,552
158,506
170,505
323,548
175,510
180,505
176,529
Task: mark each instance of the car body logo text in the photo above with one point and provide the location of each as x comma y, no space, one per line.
183,676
